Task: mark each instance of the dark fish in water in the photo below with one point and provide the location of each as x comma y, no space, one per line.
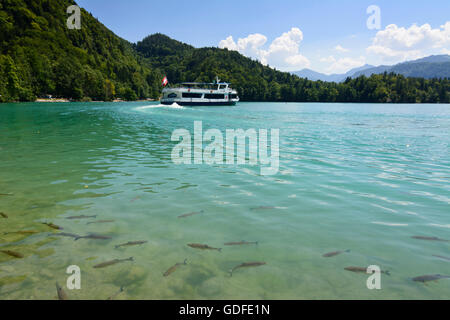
12,253
334,253
362,269
80,217
429,277
130,243
429,238
112,262
64,234
53,226
94,237
115,294
101,221
190,214
4,215
263,208
22,232
174,267
247,265
441,257
61,293
240,243
6,194
203,247
134,199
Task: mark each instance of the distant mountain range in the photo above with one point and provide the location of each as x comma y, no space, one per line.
437,66
313,75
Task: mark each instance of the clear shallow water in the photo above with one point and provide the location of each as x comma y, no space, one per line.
358,177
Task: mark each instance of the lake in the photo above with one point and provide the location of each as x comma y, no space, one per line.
362,178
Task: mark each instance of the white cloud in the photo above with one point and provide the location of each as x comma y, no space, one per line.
396,44
249,46
339,48
283,53
343,65
329,59
229,44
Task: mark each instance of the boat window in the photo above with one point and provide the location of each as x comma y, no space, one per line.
172,95
214,96
191,95
223,86
233,96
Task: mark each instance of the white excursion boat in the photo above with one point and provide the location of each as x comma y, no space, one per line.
200,94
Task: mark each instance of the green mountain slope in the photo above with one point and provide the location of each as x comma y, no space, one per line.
256,82
182,62
40,55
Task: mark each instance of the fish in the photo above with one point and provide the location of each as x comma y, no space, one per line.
101,221
22,232
174,267
441,257
334,253
134,199
263,208
246,265
203,247
6,194
94,236
429,238
90,258
64,234
12,253
130,243
53,226
429,277
112,262
4,215
116,294
81,217
240,243
61,293
190,214
363,269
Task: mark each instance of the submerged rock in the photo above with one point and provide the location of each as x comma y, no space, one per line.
11,279
210,288
130,276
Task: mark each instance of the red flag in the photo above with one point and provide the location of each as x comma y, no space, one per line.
164,81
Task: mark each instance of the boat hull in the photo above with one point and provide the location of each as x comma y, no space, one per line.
205,103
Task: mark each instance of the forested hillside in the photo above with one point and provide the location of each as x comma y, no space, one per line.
256,82
39,55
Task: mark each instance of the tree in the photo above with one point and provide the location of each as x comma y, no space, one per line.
110,90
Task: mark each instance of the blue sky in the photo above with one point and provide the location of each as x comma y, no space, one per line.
327,36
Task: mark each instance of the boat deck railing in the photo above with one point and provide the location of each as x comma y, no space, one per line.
200,85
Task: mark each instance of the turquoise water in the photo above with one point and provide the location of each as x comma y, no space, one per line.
352,176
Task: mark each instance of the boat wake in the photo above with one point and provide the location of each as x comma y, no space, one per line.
172,106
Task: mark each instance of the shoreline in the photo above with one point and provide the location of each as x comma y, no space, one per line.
52,100
68,100
65,100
